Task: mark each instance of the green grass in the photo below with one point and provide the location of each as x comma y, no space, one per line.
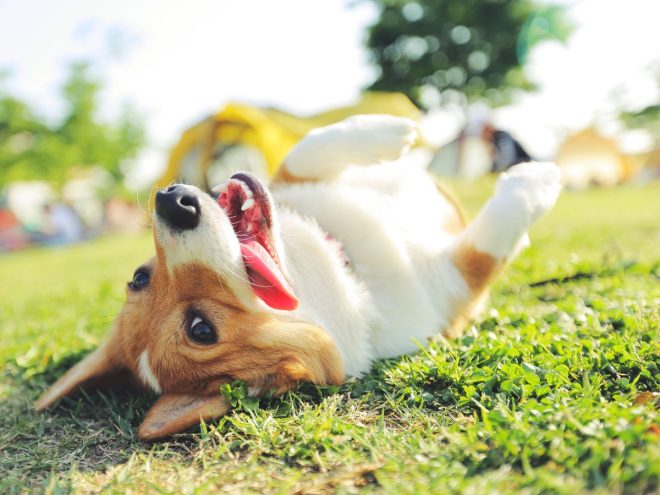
555,390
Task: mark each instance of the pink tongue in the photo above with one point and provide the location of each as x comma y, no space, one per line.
266,278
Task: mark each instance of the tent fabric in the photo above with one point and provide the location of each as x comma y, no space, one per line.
270,131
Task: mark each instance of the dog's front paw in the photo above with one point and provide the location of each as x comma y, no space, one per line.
534,187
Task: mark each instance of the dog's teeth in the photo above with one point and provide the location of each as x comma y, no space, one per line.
249,203
249,227
246,189
221,188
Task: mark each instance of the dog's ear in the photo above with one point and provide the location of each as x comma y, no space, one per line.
305,353
173,413
99,369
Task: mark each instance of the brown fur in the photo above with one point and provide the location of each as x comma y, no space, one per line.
173,413
268,352
458,222
97,369
283,176
477,268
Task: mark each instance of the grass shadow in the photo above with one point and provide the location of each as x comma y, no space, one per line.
90,432
94,432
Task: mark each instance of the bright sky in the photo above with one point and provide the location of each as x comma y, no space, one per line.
612,61
179,61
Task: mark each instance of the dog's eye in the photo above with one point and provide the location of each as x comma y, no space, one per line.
140,281
201,332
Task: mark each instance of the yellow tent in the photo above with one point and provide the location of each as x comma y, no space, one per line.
270,132
587,158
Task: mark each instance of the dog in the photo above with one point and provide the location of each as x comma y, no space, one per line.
349,256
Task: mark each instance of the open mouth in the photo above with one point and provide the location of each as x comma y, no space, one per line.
249,210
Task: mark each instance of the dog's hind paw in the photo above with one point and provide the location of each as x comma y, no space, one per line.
534,187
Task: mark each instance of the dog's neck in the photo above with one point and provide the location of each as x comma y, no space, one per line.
316,265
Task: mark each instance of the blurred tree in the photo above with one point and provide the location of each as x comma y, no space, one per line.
434,50
647,118
19,132
32,149
92,142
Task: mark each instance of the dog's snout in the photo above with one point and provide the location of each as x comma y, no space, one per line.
179,207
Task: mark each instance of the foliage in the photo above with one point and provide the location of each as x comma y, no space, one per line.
237,395
556,391
647,118
426,48
32,148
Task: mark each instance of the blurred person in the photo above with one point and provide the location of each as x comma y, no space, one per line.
12,233
122,216
506,150
62,225
479,149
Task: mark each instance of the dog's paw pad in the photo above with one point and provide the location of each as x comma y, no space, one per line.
535,186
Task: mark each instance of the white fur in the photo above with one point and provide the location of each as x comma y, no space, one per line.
377,217
523,194
146,373
358,140
212,243
401,287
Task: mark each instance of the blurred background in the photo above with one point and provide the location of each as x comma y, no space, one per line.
102,102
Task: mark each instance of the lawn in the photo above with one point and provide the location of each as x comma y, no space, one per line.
554,390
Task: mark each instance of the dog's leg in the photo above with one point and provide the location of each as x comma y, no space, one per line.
522,196
360,140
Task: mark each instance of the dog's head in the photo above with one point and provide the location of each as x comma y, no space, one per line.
214,305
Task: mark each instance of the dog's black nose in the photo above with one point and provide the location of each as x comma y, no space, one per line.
178,206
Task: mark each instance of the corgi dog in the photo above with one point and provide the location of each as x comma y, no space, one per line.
348,256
